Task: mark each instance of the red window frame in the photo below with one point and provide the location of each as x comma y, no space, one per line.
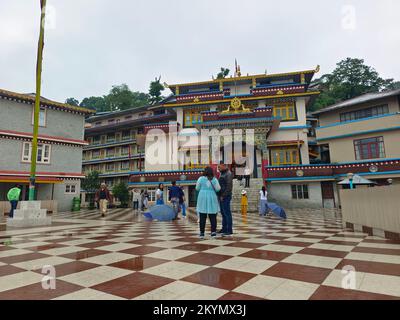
376,152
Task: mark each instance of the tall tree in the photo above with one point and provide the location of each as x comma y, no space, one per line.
350,79
122,98
95,103
72,102
155,90
121,192
91,184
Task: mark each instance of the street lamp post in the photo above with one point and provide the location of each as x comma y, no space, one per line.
32,178
350,176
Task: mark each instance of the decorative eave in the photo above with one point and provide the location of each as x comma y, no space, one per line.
25,98
333,171
16,135
284,143
247,98
255,118
61,175
165,127
241,78
20,179
163,176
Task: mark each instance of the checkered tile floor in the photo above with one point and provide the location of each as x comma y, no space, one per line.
125,257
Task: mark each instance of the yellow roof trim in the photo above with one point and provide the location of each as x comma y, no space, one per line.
243,78
242,99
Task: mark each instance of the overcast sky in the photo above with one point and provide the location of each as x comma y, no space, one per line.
94,44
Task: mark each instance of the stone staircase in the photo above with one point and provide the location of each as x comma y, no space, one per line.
252,194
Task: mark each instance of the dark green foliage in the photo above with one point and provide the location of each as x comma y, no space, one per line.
155,91
91,184
350,79
223,73
121,192
72,102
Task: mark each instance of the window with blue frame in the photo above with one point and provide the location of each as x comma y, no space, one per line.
364,113
191,117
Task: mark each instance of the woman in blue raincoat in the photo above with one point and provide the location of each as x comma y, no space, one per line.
207,201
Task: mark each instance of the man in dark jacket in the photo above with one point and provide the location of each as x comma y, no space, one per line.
225,197
175,193
103,197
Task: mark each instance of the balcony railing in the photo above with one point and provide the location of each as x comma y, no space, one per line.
113,158
109,144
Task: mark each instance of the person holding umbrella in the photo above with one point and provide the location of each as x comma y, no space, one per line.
13,196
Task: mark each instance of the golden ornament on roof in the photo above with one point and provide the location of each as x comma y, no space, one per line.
236,106
236,103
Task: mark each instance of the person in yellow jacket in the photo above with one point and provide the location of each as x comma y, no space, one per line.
13,196
244,202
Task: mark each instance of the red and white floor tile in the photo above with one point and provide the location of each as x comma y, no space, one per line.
126,257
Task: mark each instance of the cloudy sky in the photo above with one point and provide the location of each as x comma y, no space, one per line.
94,44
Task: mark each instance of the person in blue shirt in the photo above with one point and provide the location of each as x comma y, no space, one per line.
175,193
207,201
182,203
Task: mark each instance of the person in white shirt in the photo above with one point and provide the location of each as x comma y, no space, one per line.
247,173
160,194
135,199
263,202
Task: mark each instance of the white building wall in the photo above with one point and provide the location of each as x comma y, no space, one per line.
239,89
281,193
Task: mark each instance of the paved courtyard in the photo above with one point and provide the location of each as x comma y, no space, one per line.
125,257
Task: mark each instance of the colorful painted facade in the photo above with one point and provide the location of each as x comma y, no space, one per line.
272,105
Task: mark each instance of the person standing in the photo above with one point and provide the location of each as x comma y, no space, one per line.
225,197
145,200
103,196
247,173
13,196
263,202
175,193
135,199
244,202
182,203
160,194
207,201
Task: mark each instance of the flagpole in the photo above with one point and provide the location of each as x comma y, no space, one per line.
32,179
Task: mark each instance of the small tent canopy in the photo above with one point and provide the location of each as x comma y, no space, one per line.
357,180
